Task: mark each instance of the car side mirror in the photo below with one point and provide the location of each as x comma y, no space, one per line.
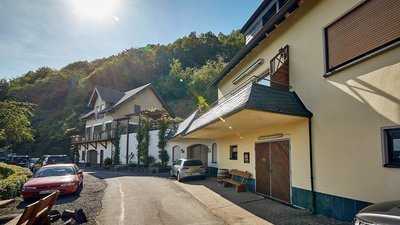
80,172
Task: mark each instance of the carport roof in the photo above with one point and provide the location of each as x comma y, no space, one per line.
255,97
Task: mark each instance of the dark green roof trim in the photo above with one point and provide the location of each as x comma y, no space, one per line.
277,101
290,6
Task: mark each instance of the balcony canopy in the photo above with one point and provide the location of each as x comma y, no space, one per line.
252,107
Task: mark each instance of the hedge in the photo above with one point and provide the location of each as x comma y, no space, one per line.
13,177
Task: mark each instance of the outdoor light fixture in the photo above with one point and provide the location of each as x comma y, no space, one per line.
272,136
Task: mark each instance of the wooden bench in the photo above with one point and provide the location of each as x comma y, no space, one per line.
36,213
239,185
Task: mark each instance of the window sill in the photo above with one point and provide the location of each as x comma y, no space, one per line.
232,159
391,165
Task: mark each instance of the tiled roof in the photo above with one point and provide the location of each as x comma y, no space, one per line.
109,95
129,94
182,127
255,97
227,106
116,98
87,114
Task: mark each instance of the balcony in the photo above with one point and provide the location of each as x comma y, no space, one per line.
97,137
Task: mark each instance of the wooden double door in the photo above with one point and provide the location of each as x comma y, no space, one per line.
273,170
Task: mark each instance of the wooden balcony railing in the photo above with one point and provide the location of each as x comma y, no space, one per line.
102,136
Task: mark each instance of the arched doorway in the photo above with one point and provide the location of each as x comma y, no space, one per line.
176,153
199,152
92,157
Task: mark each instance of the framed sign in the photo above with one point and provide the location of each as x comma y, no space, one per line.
246,157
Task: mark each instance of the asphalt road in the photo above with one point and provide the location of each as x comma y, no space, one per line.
141,200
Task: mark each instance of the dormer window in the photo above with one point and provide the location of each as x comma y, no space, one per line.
263,18
270,13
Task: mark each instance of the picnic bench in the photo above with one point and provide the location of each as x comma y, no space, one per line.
36,213
239,185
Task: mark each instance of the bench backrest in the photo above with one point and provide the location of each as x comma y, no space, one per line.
240,173
36,210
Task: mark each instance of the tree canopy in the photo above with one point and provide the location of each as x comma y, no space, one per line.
180,71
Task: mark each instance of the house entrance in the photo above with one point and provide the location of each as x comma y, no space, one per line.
199,152
92,157
273,170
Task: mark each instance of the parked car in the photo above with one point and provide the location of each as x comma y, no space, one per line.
56,159
32,163
385,213
67,178
20,160
3,159
184,168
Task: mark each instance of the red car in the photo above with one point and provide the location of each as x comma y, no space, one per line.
67,178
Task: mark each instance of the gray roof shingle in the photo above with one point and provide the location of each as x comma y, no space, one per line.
256,97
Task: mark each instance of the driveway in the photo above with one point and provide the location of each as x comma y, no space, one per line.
145,200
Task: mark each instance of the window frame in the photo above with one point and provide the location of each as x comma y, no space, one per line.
231,155
137,108
246,157
358,59
214,150
386,151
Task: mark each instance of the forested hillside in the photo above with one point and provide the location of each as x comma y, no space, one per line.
180,71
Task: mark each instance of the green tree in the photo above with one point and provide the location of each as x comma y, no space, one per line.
164,124
115,142
143,140
15,125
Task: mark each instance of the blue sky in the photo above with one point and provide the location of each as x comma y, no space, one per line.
56,32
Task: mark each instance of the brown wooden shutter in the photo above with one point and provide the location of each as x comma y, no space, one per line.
372,25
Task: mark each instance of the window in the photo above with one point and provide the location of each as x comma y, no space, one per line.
392,147
269,14
214,153
83,155
366,30
246,157
233,152
137,109
88,132
176,153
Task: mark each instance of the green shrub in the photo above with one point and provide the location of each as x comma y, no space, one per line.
107,162
13,179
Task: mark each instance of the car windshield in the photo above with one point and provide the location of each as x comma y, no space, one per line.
193,163
20,159
55,171
58,159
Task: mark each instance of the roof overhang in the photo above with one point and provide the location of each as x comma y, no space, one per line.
242,122
275,106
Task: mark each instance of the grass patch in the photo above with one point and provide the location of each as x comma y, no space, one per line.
12,179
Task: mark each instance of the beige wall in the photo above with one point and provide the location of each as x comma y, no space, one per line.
349,108
296,132
147,100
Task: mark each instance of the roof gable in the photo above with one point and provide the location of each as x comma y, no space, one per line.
109,95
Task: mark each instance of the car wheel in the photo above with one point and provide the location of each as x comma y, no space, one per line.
178,177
